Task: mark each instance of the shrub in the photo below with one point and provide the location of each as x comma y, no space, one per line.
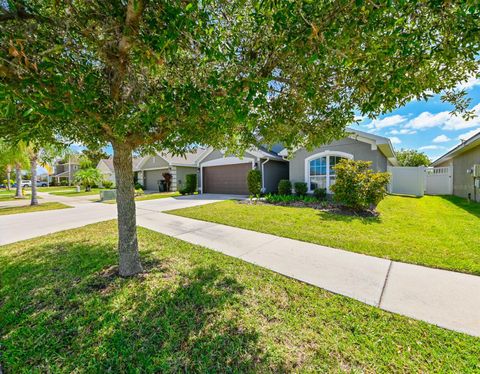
167,177
285,187
320,193
107,184
183,191
300,188
254,181
139,192
88,178
138,186
287,199
357,186
190,183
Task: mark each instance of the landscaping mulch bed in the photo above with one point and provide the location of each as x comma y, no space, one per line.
324,206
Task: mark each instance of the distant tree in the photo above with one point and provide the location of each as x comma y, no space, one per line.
95,155
13,155
412,157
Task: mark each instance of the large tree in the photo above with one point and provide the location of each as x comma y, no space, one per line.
144,75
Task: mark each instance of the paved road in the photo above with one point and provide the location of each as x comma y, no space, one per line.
447,299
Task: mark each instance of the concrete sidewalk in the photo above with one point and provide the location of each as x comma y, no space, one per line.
444,298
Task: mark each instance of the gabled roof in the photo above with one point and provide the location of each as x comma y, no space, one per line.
464,146
188,159
381,143
108,162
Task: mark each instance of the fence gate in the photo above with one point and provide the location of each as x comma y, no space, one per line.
439,181
407,180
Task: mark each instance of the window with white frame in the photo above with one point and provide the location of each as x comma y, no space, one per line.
319,169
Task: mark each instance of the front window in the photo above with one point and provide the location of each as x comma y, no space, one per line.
322,172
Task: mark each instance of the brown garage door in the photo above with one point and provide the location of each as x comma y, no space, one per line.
229,179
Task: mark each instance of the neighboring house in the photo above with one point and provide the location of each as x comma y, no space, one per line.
64,170
462,158
315,167
151,169
106,168
223,173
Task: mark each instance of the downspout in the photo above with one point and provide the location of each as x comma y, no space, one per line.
263,175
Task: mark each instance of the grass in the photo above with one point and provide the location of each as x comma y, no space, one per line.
29,208
195,310
55,188
151,196
6,195
73,193
433,231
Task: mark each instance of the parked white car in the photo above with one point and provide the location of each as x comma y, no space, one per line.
26,183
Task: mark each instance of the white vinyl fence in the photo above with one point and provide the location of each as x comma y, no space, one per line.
439,181
407,180
420,180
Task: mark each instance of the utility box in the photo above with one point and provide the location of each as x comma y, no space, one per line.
476,171
108,195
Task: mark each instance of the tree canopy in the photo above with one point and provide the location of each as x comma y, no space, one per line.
412,157
170,74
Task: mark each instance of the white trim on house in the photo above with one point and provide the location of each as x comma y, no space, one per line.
326,154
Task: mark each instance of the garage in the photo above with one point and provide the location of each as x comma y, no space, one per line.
226,179
151,178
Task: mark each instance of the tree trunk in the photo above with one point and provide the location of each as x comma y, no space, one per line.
129,258
33,171
9,172
18,177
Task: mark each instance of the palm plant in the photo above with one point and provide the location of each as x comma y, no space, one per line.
88,178
13,155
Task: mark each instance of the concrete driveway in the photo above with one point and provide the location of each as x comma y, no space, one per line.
18,227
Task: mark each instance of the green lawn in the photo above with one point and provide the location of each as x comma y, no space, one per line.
151,196
6,195
55,188
63,310
29,209
71,192
434,231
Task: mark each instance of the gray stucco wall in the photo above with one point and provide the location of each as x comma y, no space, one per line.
359,150
274,171
181,174
463,182
155,162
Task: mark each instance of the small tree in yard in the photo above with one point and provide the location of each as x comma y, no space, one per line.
357,186
88,178
164,75
254,182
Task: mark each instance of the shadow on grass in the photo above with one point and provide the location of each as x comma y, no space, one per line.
336,217
471,207
64,309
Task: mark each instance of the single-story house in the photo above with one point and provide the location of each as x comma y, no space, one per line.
151,169
315,167
105,166
463,157
223,173
227,174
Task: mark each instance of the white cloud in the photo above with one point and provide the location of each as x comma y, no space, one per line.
378,124
469,83
430,147
441,139
444,120
402,132
468,134
395,140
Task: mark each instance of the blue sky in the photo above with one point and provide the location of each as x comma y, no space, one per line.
427,125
